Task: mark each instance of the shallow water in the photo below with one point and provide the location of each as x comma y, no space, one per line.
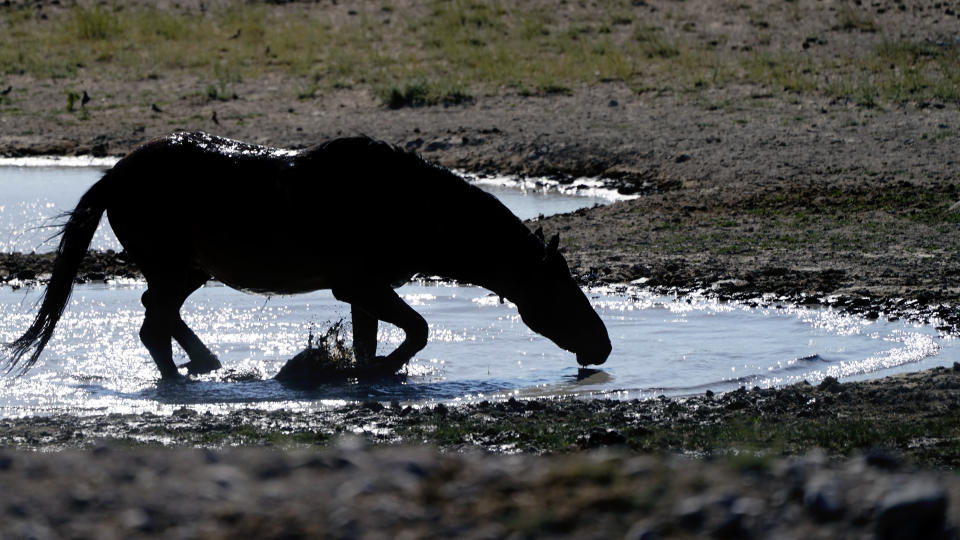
31,198
478,349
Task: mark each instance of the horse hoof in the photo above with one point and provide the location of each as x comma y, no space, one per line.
377,367
177,378
390,365
193,368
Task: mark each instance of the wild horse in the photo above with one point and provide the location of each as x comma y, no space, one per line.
353,215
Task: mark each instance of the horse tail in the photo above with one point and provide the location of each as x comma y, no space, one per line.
75,238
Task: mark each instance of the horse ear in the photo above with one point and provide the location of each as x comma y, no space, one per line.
554,243
539,233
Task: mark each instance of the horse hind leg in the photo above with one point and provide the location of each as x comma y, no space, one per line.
157,329
202,360
163,299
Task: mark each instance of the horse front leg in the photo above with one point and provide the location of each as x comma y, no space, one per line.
370,304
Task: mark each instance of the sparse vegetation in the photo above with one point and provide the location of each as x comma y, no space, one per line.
446,52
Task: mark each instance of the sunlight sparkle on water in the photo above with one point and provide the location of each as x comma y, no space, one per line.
478,349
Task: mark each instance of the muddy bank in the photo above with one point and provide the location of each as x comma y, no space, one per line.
913,415
34,269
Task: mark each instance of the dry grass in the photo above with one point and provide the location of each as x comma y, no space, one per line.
447,51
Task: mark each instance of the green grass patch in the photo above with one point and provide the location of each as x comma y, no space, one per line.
653,44
422,92
902,71
94,24
788,72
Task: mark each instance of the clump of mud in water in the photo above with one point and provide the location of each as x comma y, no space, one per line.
327,359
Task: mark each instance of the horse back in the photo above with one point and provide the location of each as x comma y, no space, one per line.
349,207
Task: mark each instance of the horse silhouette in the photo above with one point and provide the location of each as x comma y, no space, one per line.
354,215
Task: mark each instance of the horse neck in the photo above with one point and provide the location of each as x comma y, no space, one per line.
498,257
475,238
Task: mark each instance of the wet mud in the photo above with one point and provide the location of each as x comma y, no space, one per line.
913,415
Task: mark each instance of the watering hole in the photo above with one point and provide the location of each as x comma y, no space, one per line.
478,348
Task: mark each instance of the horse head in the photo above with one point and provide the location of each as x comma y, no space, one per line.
552,304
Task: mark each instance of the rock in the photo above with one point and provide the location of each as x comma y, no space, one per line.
730,527
137,519
601,437
917,510
690,513
434,146
641,531
535,405
830,384
729,285
748,506
101,448
881,459
374,406
822,498
184,412
275,468
739,515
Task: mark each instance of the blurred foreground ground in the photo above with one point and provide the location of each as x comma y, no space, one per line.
414,492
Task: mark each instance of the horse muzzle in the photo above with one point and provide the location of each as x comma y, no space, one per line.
595,354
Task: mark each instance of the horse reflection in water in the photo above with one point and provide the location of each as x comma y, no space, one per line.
353,215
